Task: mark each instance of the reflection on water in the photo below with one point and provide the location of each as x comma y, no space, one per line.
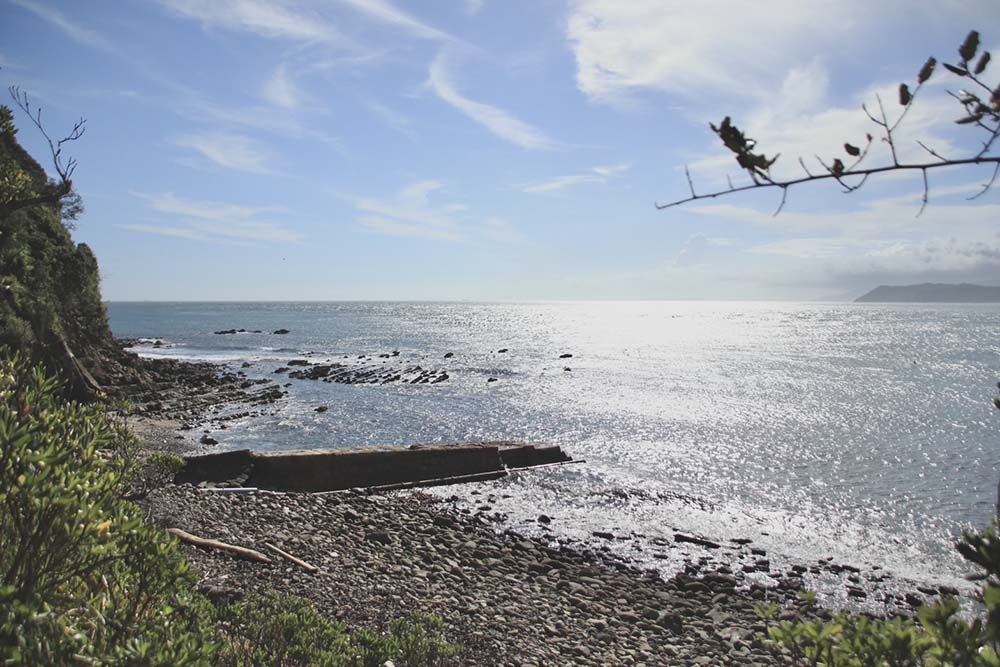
860,431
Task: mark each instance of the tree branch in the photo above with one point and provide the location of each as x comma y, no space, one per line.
828,176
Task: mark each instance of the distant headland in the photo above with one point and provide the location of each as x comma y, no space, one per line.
932,293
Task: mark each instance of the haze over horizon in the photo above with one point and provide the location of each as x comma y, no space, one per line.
493,151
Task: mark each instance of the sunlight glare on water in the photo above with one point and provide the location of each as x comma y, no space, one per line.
863,431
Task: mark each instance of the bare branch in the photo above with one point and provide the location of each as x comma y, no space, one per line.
932,151
687,173
923,200
986,188
65,171
784,198
54,192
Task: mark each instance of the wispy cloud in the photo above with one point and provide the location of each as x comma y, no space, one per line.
410,213
216,222
266,118
280,89
231,151
385,12
73,30
392,118
265,18
597,175
413,212
496,120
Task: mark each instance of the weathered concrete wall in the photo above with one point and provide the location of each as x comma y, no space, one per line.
333,470
216,468
531,455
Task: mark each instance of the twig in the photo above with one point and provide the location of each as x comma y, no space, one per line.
931,151
287,556
987,186
923,201
687,173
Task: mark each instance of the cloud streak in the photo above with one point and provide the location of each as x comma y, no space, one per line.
494,119
596,175
74,31
215,222
411,213
260,17
385,12
230,151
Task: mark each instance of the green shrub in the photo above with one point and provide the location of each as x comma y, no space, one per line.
84,579
286,631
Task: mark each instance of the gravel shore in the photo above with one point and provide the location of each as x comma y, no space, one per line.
508,600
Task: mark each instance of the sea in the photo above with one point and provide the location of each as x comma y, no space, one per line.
861,434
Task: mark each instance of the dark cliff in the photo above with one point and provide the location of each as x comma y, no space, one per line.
932,293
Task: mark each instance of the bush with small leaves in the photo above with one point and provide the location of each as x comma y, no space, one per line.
83,579
287,631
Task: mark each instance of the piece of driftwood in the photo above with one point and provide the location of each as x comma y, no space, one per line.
287,556
216,544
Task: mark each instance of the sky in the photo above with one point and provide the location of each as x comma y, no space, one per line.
500,149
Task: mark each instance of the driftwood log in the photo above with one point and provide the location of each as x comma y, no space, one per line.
216,544
289,557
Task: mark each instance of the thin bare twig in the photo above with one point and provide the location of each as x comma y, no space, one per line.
985,189
931,151
784,198
687,173
923,200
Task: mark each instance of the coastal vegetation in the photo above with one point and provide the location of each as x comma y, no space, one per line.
86,579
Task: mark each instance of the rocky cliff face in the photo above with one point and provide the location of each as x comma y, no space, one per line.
932,293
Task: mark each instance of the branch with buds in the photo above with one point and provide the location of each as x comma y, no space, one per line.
981,110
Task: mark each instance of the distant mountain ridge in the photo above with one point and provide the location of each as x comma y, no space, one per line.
932,293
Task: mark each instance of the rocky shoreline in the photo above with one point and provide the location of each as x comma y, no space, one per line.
509,599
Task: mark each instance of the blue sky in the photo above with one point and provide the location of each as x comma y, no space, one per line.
496,149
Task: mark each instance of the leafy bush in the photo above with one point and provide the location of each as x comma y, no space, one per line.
84,579
286,631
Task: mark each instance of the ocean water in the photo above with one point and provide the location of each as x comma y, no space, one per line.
862,432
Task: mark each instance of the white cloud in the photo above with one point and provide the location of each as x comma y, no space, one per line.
385,12
280,90
410,212
267,18
474,7
215,222
598,175
694,47
496,120
231,151
73,30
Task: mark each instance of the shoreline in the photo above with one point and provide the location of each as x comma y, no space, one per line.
509,600
390,554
